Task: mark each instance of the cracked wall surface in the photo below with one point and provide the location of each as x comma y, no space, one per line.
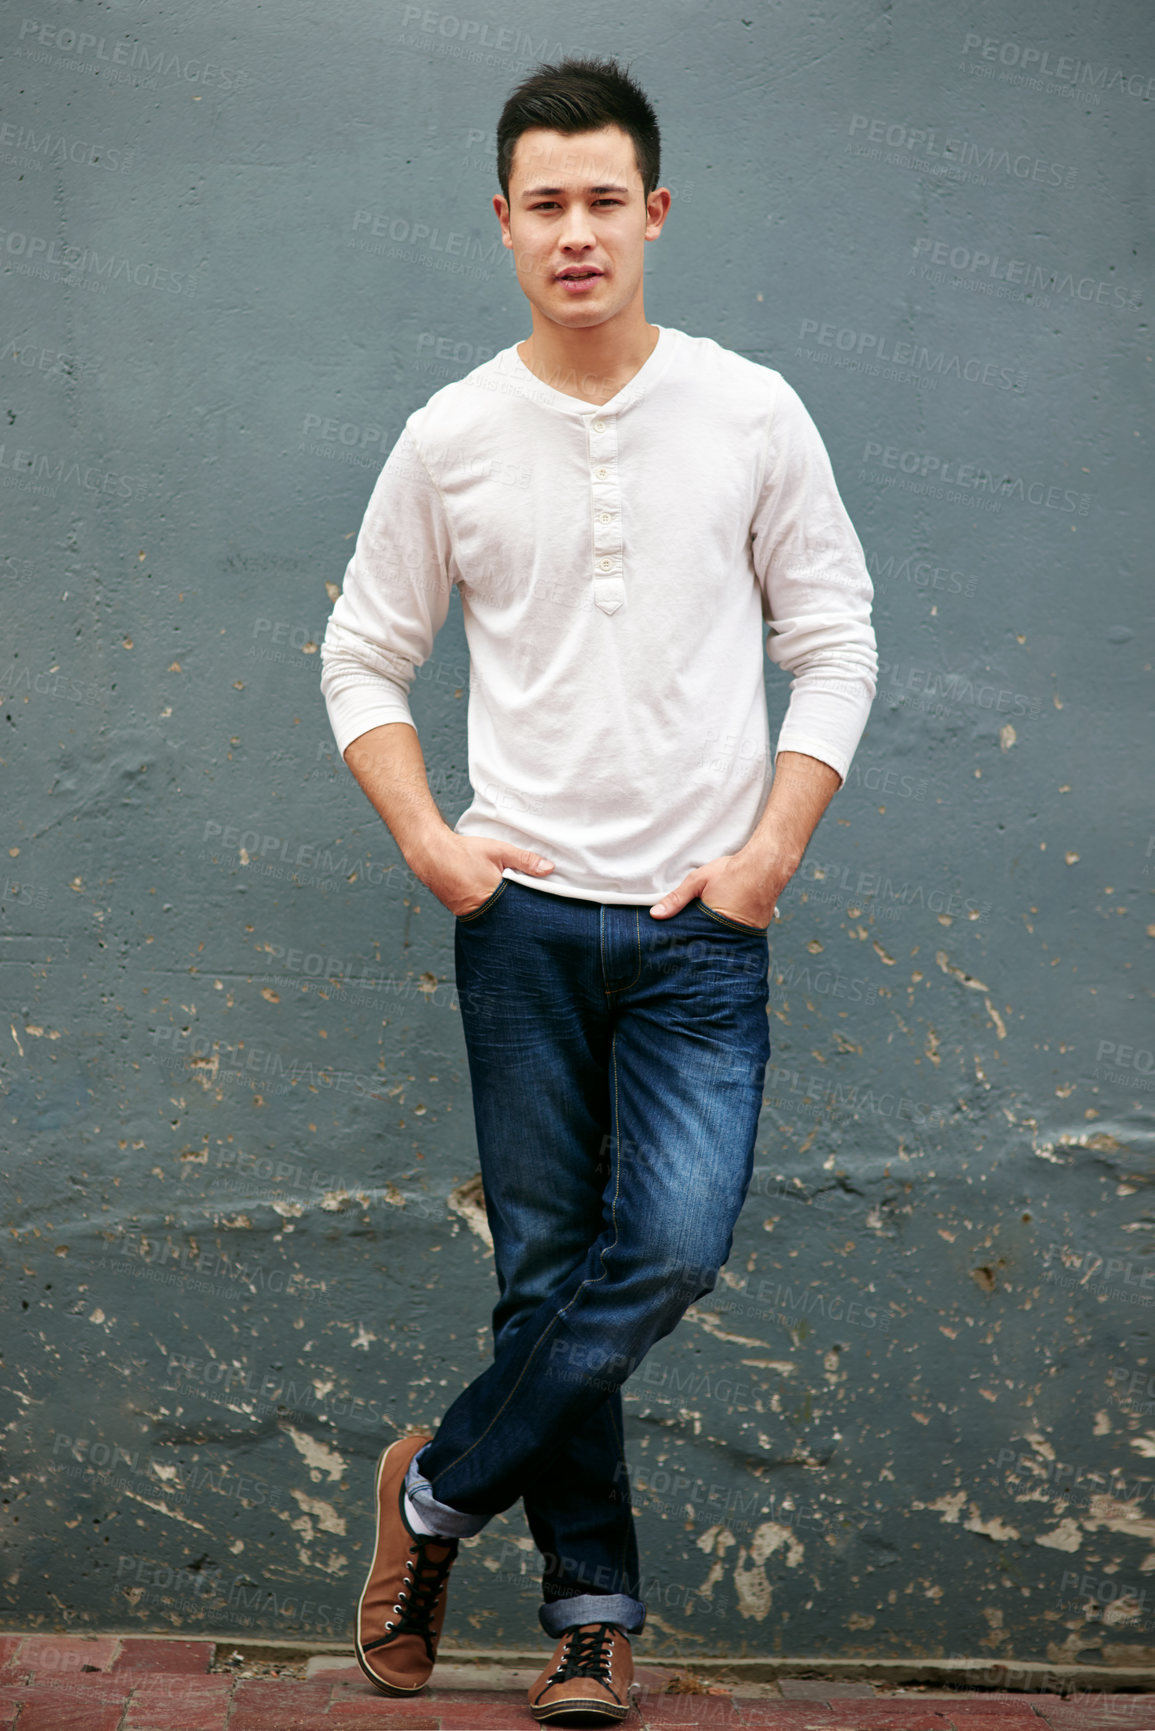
246,1242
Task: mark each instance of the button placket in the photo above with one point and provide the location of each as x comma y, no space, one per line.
605,487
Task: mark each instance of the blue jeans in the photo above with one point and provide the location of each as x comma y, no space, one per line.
616,1063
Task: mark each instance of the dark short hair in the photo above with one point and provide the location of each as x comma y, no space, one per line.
577,95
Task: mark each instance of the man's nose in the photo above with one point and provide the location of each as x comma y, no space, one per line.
577,230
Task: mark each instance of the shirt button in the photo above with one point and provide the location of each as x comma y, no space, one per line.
605,517
599,426
600,474
605,564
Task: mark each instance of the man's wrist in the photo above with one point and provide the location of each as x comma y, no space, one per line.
772,864
425,845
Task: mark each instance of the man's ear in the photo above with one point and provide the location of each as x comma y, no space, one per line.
502,209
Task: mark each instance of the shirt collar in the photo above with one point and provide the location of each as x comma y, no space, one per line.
510,364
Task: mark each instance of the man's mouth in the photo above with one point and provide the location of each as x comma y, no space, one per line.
577,273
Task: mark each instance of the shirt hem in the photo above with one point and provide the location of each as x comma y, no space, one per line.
571,892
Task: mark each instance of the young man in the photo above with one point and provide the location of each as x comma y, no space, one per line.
621,507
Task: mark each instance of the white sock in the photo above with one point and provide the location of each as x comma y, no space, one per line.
417,1520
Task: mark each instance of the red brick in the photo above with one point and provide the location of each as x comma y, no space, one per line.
483,1701
703,1712
178,1703
967,1710
882,1716
359,1704
679,1710
260,1705
1001,1721
361,1715
181,1656
350,1673
486,1712
48,1655
10,1698
489,1710
67,1710
1121,1713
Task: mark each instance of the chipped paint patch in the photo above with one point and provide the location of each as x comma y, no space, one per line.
468,1200
996,1528
1067,1536
323,1513
707,1320
949,1507
959,974
752,1585
316,1455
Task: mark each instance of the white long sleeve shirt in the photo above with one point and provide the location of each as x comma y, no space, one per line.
616,564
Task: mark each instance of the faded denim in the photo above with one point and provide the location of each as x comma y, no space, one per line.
616,1063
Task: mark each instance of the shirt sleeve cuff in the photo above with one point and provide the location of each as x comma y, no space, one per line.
353,713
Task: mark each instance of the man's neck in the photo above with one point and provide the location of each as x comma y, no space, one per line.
578,364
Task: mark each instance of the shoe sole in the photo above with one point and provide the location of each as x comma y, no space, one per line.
591,1711
379,1682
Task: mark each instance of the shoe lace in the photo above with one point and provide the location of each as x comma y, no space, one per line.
421,1588
588,1653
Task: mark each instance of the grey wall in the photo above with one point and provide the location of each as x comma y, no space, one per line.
240,245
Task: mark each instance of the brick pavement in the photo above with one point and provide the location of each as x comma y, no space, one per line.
113,1683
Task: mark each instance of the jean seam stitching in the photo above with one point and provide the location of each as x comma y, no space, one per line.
488,903
592,1280
478,1440
735,925
612,991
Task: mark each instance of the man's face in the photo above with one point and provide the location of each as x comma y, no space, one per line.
577,223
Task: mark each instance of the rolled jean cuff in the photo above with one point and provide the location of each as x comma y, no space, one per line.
449,1523
558,1615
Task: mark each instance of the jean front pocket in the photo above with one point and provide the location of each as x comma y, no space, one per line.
499,889
734,925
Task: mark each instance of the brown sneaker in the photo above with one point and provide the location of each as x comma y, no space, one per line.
402,1604
587,1682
